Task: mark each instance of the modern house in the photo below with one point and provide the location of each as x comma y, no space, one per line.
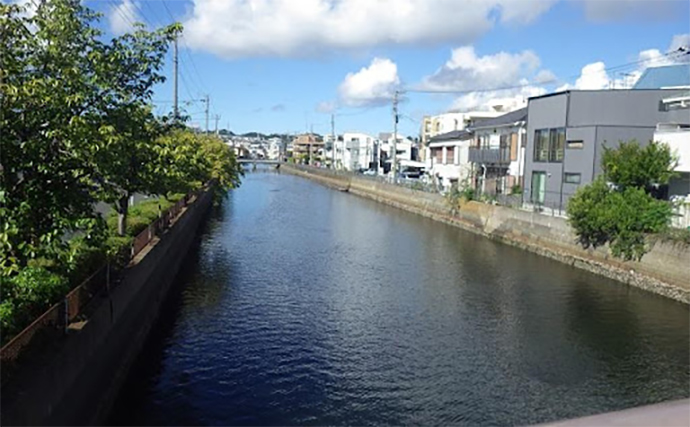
307,148
447,122
356,151
497,154
404,148
448,162
675,131
567,132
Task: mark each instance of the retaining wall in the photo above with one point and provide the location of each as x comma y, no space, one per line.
665,270
76,382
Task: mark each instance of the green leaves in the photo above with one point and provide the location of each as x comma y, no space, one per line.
631,165
621,212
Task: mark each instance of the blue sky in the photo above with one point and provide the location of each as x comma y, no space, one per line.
283,66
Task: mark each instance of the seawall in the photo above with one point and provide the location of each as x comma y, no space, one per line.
665,270
76,381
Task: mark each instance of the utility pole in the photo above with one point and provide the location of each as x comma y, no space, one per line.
207,102
216,118
333,138
394,150
176,111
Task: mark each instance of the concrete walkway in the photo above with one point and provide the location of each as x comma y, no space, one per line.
666,414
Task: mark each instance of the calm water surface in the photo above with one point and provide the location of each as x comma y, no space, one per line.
306,306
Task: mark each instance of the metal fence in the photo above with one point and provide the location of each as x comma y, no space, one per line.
57,319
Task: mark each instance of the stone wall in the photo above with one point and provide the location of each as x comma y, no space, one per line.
665,270
76,381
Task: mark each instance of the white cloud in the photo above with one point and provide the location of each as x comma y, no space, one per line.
680,40
467,71
508,99
503,78
240,28
123,17
326,107
371,86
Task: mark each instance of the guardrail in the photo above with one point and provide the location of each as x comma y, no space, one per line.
57,318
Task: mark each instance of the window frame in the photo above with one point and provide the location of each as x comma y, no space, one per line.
572,174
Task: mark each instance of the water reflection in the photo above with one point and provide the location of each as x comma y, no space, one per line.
306,306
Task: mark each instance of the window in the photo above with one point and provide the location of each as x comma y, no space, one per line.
523,140
541,145
572,178
575,145
549,145
557,145
450,155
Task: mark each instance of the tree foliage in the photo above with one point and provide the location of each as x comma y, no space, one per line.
617,208
76,128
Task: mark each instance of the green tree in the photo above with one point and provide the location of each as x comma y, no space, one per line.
617,208
632,165
69,101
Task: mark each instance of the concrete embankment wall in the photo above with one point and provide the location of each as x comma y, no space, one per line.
665,270
76,382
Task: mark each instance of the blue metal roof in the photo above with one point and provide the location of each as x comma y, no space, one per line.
664,77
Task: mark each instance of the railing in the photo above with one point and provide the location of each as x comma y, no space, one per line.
489,155
58,318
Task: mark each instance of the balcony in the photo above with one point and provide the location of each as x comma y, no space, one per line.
490,155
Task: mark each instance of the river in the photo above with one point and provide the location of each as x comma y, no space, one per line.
302,305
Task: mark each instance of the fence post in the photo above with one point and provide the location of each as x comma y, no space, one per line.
65,319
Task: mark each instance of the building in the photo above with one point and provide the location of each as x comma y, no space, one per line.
666,77
448,161
447,122
567,131
675,132
308,148
356,151
404,148
498,153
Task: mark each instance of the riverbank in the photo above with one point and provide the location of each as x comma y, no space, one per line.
664,270
75,380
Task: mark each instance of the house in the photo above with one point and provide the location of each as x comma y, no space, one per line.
567,132
448,161
675,131
356,151
307,148
447,122
667,77
404,148
497,154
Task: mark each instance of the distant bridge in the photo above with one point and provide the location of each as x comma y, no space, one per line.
259,161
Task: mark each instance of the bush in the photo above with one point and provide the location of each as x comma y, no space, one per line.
26,296
623,219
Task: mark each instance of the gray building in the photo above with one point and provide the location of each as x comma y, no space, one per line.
566,133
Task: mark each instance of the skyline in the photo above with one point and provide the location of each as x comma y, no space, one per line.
275,66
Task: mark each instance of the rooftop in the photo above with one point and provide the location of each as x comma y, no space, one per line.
669,76
506,119
452,136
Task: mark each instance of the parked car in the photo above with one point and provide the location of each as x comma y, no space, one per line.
369,172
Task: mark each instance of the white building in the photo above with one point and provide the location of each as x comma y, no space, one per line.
356,151
452,121
403,147
448,161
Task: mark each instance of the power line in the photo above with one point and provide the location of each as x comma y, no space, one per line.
670,55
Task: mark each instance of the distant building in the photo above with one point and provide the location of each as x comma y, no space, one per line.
448,161
447,122
498,153
356,151
308,148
